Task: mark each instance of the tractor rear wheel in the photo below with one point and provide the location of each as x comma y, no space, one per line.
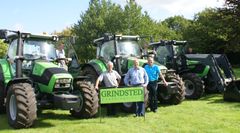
2,107
21,105
89,100
131,106
194,86
175,98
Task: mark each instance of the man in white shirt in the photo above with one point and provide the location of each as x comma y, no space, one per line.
60,55
111,78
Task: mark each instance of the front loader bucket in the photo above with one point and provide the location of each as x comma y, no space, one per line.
232,91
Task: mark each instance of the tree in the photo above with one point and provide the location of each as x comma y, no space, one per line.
231,15
3,49
101,17
208,33
178,25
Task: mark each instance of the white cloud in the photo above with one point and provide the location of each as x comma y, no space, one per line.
160,9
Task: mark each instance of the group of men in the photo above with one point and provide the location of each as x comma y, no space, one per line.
136,76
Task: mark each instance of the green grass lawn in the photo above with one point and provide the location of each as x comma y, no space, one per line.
209,114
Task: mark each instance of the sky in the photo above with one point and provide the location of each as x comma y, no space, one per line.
38,16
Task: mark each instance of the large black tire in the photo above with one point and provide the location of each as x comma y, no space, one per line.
175,98
194,86
2,107
210,84
21,105
91,73
131,106
90,101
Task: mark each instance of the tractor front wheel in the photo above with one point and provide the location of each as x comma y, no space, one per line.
89,96
21,105
194,86
174,98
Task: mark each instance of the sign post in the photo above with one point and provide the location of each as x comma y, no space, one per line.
121,95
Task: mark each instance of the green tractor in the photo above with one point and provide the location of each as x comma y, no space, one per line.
193,73
122,50
31,80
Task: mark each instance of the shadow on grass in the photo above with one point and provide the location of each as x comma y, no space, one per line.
210,97
42,121
218,99
38,124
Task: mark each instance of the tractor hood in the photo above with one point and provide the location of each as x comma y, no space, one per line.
142,62
47,74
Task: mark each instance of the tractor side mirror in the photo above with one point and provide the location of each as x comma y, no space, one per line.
73,39
3,34
108,37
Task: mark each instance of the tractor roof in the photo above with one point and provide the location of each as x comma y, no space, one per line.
168,42
36,36
108,37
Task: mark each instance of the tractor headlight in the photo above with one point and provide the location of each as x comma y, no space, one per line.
63,81
57,85
67,85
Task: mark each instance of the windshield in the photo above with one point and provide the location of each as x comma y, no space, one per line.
125,47
35,49
163,54
128,47
107,50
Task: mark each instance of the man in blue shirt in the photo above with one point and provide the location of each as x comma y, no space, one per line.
137,76
153,72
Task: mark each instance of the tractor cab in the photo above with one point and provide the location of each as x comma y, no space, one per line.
173,55
35,47
169,52
119,49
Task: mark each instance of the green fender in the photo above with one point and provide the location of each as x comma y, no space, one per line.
5,71
98,65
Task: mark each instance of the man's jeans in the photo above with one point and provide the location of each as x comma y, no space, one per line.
153,102
140,109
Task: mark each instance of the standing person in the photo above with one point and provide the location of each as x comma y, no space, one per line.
145,49
137,76
153,72
111,78
61,55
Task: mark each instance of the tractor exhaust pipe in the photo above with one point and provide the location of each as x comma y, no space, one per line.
19,58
